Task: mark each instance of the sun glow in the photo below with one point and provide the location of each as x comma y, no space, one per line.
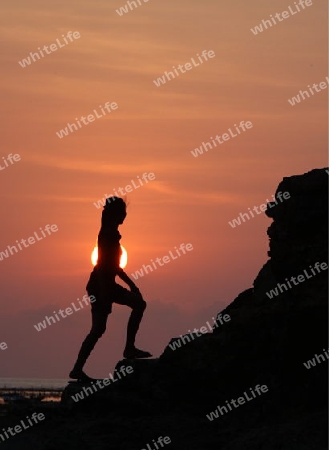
123,259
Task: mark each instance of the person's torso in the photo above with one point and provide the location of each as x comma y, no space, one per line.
109,250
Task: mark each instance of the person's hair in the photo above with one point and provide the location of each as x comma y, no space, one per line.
113,205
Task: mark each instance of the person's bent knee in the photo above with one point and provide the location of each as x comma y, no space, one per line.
141,304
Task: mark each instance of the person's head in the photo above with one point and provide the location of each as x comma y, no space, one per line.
115,211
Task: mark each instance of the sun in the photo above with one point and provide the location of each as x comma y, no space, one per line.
123,259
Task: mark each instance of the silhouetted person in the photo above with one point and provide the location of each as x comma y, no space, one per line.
102,285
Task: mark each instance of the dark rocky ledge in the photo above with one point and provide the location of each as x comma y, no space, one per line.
266,342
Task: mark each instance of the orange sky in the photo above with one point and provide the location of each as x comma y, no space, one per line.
154,130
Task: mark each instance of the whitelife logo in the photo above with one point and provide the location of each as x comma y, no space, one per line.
188,66
101,384
317,360
123,191
3,346
237,402
177,343
158,444
244,126
10,159
262,207
285,15
53,47
68,311
165,260
12,431
124,9
31,240
297,280
86,120
299,97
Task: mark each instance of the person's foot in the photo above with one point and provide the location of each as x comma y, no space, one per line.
135,353
79,375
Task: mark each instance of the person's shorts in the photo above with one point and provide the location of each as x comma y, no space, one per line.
108,292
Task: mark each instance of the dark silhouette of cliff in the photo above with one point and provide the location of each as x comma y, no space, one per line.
266,342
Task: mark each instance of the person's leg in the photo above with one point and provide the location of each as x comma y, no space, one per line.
138,306
99,319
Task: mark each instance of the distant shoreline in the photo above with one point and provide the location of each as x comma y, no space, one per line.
33,383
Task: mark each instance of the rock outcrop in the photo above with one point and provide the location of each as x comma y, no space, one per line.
266,342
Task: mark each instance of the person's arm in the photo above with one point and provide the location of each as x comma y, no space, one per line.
124,277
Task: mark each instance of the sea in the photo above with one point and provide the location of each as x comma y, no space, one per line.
33,383
15,390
